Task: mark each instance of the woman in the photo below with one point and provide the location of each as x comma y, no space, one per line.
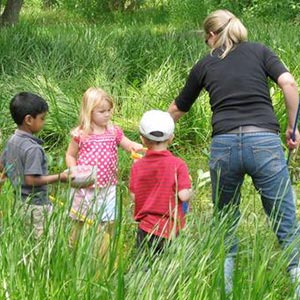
245,130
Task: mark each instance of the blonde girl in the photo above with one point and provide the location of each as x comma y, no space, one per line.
95,143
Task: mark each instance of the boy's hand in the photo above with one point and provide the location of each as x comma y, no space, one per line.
185,194
65,176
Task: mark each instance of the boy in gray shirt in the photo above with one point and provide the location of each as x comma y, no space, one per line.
24,162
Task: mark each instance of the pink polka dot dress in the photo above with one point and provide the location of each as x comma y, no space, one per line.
101,150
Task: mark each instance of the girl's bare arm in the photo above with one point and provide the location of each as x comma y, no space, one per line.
34,180
71,154
130,145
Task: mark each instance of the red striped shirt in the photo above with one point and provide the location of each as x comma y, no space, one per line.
155,181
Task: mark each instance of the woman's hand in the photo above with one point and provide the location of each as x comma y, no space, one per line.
292,141
175,113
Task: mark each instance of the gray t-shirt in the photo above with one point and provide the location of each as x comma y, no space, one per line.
24,155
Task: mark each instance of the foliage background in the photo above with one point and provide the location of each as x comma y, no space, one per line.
141,54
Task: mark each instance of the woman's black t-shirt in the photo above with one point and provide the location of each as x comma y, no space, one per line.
237,87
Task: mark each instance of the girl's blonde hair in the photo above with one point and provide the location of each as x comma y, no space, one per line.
229,29
92,97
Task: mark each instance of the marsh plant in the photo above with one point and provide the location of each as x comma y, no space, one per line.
190,268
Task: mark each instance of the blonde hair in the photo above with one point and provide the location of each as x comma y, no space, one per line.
91,98
229,29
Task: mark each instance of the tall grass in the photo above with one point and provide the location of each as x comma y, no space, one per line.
143,65
191,268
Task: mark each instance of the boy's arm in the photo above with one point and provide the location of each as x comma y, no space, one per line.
132,196
184,183
2,169
71,154
2,173
185,195
2,178
129,145
36,180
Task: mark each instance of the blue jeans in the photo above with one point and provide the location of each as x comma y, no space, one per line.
261,156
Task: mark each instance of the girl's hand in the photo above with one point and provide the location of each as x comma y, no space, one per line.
137,147
130,145
138,153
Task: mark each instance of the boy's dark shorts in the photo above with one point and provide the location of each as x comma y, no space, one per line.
150,242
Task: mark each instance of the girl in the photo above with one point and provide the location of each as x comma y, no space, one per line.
94,143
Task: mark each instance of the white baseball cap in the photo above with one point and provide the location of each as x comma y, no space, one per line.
157,125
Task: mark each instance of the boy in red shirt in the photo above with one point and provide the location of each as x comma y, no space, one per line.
159,184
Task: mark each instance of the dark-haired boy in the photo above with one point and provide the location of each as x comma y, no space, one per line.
159,184
24,162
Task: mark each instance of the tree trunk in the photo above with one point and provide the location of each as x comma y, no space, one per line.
11,12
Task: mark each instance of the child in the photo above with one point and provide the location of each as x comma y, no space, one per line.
24,162
95,143
159,184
